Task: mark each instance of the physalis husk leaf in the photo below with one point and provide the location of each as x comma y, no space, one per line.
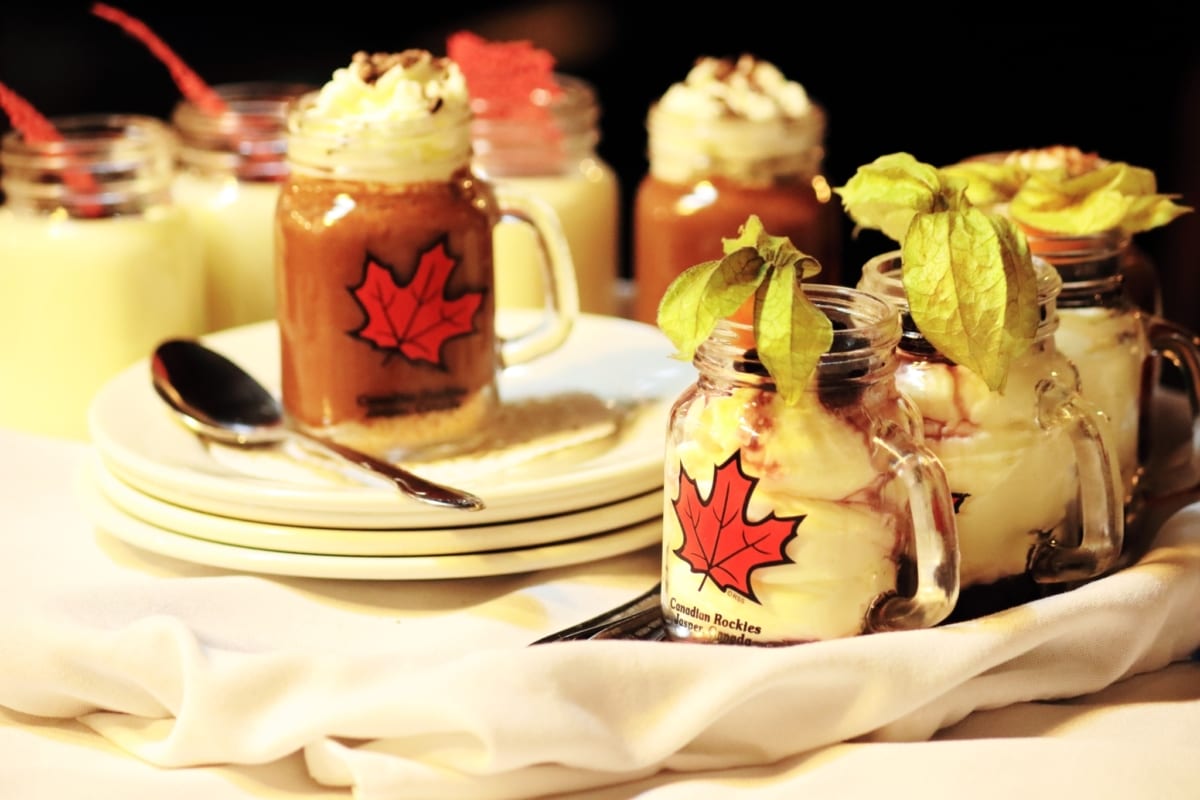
888,192
790,332
1113,196
706,293
971,289
776,250
989,183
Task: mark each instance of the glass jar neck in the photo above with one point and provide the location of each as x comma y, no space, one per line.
105,165
752,152
431,148
866,331
882,276
247,140
546,136
1089,265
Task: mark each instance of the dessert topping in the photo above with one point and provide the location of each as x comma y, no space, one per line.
748,87
392,86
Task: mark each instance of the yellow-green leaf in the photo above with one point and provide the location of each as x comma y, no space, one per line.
1022,315
888,192
706,293
1113,196
971,290
989,183
776,250
790,331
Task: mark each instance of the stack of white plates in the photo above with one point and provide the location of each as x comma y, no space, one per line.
577,475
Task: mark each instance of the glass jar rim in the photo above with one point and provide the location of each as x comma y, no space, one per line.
1071,248
882,274
264,102
577,96
92,130
863,323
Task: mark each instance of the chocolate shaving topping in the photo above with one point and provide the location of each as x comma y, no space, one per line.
370,67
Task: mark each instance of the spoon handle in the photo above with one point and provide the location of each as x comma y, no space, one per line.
422,489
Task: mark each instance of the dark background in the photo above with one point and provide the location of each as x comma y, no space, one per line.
1124,83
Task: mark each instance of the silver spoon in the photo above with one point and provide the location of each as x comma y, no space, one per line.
218,399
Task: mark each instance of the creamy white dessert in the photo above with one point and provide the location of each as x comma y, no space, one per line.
1108,346
235,220
391,87
544,146
804,507
230,167
85,298
843,557
585,200
1009,455
365,100
748,88
1101,334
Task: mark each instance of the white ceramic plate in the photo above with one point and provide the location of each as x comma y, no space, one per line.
615,451
112,520
375,541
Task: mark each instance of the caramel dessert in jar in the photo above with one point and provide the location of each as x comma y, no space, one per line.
800,503
1080,213
384,259
735,138
1031,462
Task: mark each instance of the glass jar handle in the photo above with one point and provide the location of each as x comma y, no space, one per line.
558,268
1100,489
1182,348
935,537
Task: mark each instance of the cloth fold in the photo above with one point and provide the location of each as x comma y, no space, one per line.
430,689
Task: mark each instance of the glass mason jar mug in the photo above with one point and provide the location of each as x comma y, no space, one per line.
709,174
824,518
385,282
97,264
1119,349
231,165
548,150
1033,468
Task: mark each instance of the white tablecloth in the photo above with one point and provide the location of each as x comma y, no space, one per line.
129,675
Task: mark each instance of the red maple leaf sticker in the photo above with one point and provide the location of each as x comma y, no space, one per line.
414,320
719,541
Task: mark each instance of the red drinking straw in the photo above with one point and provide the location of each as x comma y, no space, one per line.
190,84
36,129
28,121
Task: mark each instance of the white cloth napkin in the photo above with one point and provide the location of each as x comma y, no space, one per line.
428,689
